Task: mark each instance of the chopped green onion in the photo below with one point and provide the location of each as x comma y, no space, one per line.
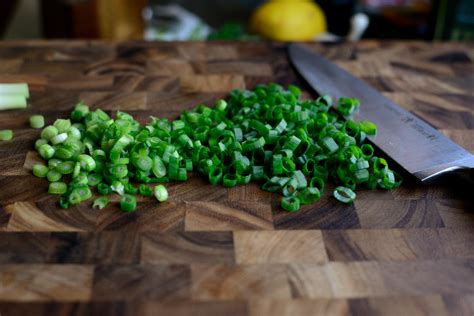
104,189
368,128
128,203
65,167
87,162
40,170
37,121
268,135
49,132
143,163
145,190
344,195
230,180
94,179
215,176
158,167
62,125
80,111
6,134
57,188
309,195
40,142
118,187
53,163
347,106
291,204
60,138
46,151
15,89
100,202
79,194
130,189
53,176
160,193
12,102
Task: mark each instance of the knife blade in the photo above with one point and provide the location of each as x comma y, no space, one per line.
414,144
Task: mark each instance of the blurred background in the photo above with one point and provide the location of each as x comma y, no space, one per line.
247,20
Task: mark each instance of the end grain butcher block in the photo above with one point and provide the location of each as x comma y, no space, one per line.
211,250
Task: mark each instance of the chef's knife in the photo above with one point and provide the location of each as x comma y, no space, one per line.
416,146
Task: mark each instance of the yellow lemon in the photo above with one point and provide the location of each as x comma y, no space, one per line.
288,20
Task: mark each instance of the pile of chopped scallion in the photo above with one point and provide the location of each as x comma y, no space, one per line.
267,135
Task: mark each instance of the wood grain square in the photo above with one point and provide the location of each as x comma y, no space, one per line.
28,247
36,83
355,279
17,147
398,213
378,194
201,52
238,282
114,101
115,66
213,216
187,247
169,67
451,188
80,83
309,281
420,67
368,68
398,244
247,68
112,247
461,119
251,193
4,218
129,308
148,217
211,83
453,276
456,213
146,84
325,214
426,84
55,101
354,245
167,101
29,217
183,308
32,158
67,248
461,136
265,247
197,188
13,167
10,65
77,218
395,306
427,101
459,304
140,282
281,307
144,51
45,282
51,67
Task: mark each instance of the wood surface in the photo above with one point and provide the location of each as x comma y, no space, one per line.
212,250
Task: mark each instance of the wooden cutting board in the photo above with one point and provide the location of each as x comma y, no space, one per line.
211,250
